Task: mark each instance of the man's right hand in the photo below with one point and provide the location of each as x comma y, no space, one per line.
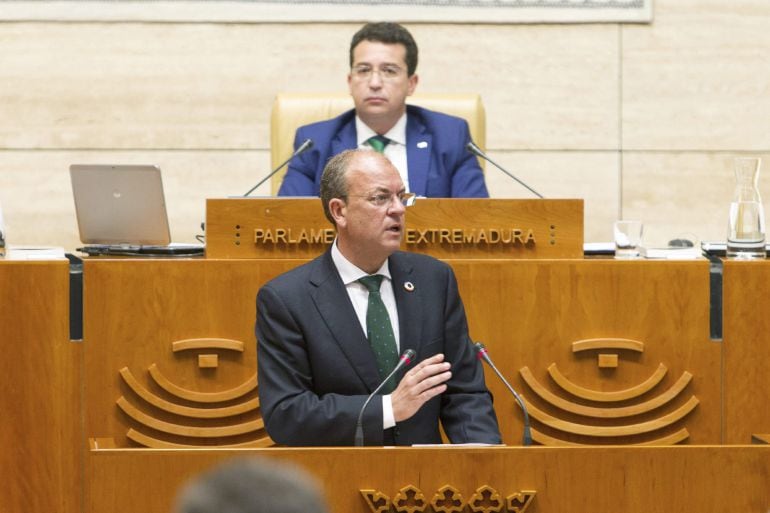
423,382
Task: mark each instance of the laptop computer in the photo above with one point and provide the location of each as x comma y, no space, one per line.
121,210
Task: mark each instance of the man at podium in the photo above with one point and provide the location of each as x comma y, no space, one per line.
426,147
329,332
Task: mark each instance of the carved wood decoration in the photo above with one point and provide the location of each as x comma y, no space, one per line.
170,358
448,499
198,417
599,414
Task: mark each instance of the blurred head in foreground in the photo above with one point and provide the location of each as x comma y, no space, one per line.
254,485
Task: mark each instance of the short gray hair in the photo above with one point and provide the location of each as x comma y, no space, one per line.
334,183
252,485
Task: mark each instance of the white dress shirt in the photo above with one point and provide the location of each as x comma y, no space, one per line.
359,296
396,148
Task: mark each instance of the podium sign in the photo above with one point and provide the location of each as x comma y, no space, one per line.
276,228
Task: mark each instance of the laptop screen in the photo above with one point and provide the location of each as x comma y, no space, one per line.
120,204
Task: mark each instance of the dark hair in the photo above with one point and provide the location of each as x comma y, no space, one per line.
254,485
334,183
389,33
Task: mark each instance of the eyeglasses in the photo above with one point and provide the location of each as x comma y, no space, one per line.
364,72
383,199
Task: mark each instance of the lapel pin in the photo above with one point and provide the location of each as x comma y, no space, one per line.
422,145
409,286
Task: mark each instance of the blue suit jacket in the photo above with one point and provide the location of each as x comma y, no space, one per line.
439,165
316,367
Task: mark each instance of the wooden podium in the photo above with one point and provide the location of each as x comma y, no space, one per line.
466,479
605,352
272,228
162,386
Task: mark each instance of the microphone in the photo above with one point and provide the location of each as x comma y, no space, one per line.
471,147
299,151
403,361
2,234
483,354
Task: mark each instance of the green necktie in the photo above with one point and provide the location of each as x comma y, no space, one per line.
379,331
378,143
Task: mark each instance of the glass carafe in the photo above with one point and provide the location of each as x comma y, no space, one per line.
746,226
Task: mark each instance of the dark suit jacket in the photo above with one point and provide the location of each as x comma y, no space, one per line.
316,367
439,165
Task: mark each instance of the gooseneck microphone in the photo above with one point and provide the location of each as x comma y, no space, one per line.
302,149
471,147
483,354
403,361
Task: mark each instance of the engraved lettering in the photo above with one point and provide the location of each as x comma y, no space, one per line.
316,237
530,236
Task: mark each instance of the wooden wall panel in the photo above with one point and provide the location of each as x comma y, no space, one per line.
39,401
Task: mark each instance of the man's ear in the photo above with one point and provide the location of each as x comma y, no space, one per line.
412,84
338,211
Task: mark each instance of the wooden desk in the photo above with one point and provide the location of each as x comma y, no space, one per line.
529,314
746,346
40,428
564,479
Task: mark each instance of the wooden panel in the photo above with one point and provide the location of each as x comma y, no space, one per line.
39,436
445,228
135,311
567,479
746,349
528,313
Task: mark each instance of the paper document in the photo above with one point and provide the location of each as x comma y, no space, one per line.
34,253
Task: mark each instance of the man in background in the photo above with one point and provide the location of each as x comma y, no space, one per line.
427,148
330,331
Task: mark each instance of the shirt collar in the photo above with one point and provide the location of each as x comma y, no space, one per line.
397,134
348,271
